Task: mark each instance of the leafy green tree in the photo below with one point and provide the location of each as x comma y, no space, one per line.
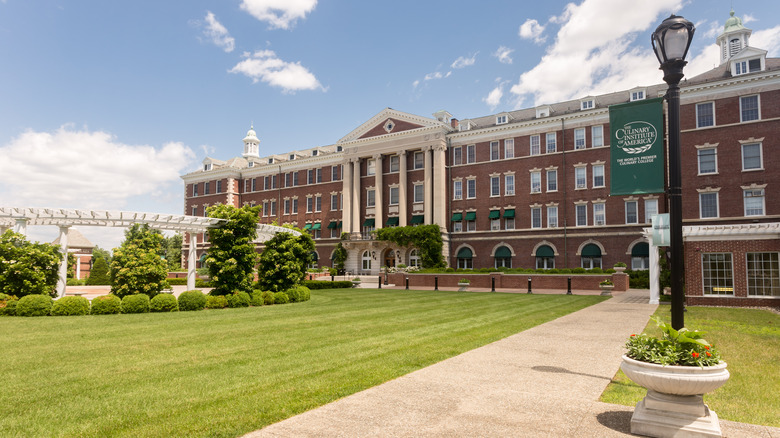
173,251
99,275
232,258
28,268
339,257
284,260
137,266
98,252
71,266
425,237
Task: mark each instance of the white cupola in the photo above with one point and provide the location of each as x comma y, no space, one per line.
734,38
251,144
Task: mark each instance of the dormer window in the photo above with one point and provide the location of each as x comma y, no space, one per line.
543,111
339,148
270,161
292,156
586,104
251,164
637,95
502,119
465,125
314,153
749,66
207,167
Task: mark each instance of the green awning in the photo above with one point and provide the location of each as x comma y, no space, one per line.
471,215
202,258
591,250
545,251
641,249
369,223
465,253
307,227
503,253
418,219
510,212
457,217
392,221
339,227
333,224
316,226
494,214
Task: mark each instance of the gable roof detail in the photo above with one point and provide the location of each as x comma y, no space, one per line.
375,126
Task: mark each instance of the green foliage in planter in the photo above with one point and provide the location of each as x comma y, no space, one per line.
231,257
238,299
427,238
8,304
192,300
284,260
136,303
257,298
164,303
281,298
70,306
106,305
137,265
27,268
216,302
34,305
674,347
99,275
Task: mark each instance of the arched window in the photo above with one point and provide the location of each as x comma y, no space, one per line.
590,256
545,257
414,258
314,259
366,260
640,257
465,258
503,257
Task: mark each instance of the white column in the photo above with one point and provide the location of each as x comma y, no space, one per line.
378,198
192,261
402,187
21,226
439,187
78,266
655,273
63,273
428,186
346,193
356,225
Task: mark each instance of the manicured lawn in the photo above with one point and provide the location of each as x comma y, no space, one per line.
749,341
228,372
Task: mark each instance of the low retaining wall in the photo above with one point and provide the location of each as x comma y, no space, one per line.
514,281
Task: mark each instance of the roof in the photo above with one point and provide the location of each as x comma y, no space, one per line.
75,240
723,72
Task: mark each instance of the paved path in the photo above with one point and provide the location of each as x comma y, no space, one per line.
541,382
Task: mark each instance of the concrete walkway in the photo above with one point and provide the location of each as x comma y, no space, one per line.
545,381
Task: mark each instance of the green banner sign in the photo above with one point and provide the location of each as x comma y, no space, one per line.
637,147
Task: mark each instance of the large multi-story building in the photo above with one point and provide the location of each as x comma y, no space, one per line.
530,188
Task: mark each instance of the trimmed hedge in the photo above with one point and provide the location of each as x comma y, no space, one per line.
268,298
257,298
34,305
70,306
202,283
8,304
106,305
216,302
135,303
320,284
177,281
281,298
238,299
164,303
192,300
298,294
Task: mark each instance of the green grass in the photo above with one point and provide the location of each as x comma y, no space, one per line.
228,372
749,341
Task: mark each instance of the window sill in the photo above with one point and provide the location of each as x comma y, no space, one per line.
753,170
708,174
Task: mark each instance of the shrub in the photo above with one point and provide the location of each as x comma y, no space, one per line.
177,281
293,294
8,304
238,299
34,305
318,284
192,300
75,282
164,303
257,298
136,266
268,298
98,275
281,298
106,305
70,306
202,283
135,303
216,302
27,268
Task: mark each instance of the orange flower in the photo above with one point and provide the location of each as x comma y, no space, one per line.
709,354
695,355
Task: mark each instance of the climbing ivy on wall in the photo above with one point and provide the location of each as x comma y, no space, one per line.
426,238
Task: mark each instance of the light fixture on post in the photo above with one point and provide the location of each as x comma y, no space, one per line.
671,41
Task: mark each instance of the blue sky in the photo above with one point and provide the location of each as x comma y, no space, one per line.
104,104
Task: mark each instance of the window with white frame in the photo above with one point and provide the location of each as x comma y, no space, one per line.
265,208
749,66
598,175
419,160
535,145
717,274
586,104
597,135
370,198
195,210
599,214
366,260
751,157
637,95
471,188
495,153
509,148
581,213
414,258
509,185
552,180
371,167
552,217
219,186
536,182
708,160
393,195
705,114
195,189
309,178
471,153
471,225
309,204
295,180
457,227
295,206
579,138
536,217
457,189
754,202
395,163
651,209
580,177
457,155
495,224
632,215
273,208
334,201
763,274
495,186
501,120
748,108
286,206
509,223
334,173
551,144
206,188
419,193
318,203
708,205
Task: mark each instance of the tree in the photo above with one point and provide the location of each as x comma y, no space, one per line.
98,252
284,260
232,258
425,237
339,257
71,266
173,251
28,268
98,275
137,266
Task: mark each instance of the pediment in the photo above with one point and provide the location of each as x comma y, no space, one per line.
748,52
389,121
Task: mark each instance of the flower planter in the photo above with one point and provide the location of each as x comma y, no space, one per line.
674,405
606,289
355,283
619,268
463,286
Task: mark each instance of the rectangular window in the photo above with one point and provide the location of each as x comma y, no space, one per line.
334,202
274,181
552,180
717,274
495,224
500,120
708,161
254,184
318,203
763,274
632,216
309,204
370,167
371,198
265,208
579,138
206,188
457,227
748,108
295,206
754,202
393,195
419,160
495,186
597,135
586,105
705,114
457,156
509,148
194,211
552,217
637,95
580,178
509,184
395,163
535,147
536,217
708,205
551,145
334,173
194,190
471,153
319,176
536,182
509,223
599,214
419,193
267,183
273,208
651,209
494,151
295,179
751,157
457,190
581,211
286,206
598,175
471,189
219,186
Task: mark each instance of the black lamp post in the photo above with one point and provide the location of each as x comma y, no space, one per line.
671,41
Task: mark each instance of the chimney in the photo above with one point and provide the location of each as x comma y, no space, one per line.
454,123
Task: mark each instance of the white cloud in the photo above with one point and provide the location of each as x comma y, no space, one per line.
532,30
71,168
747,18
279,14
503,55
264,65
462,61
767,39
493,99
218,34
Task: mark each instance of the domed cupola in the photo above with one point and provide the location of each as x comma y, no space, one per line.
251,144
734,38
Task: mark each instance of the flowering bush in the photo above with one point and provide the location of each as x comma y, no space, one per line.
683,347
606,283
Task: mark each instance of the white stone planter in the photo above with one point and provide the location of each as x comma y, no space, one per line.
463,286
619,268
674,405
606,289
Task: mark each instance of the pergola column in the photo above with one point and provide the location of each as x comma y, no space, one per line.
428,187
440,186
402,187
346,193
21,226
62,279
356,195
192,256
378,201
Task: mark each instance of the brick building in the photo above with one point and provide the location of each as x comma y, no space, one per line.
530,188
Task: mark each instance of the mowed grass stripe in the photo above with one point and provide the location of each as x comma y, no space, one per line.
227,372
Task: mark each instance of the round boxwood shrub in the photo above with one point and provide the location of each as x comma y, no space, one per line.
268,297
192,300
34,305
238,299
164,303
135,303
70,306
298,294
281,298
216,302
257,298
106,305
8,304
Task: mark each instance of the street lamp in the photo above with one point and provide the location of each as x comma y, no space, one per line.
671,41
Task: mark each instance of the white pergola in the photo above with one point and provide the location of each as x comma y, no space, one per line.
20,217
